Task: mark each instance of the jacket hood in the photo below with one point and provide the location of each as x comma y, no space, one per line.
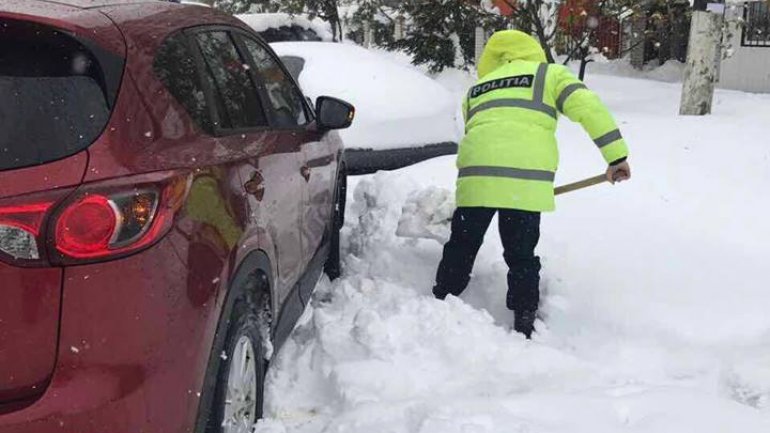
509,45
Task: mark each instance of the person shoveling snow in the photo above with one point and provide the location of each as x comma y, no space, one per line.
508,159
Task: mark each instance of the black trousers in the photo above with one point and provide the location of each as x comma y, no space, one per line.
520,233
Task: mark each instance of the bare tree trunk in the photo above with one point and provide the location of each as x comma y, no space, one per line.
584,61
533,20
332,15
534,11
701,71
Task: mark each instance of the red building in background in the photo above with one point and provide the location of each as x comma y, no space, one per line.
505,9
574,16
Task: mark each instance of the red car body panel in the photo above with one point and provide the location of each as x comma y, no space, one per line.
132,346
31,297
58,174
131,361
30,313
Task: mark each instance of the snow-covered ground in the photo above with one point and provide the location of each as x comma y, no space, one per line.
672,71
656,305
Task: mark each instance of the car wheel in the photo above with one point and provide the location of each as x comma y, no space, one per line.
240,383
333,266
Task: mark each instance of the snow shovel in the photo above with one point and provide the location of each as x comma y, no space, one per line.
585,183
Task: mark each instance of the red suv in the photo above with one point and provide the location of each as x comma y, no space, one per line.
168,200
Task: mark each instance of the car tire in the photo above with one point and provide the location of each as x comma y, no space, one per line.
333,265
239,395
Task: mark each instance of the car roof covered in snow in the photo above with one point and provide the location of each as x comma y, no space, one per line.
261,22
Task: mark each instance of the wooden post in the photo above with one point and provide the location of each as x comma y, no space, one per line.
367,34
398,28
638,36
481,41
700,74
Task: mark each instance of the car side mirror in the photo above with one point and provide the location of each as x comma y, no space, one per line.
333,113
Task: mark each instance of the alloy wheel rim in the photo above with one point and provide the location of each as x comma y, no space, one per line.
240,401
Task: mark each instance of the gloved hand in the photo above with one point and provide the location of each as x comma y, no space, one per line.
619,172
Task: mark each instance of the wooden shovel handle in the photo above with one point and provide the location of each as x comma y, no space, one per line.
596,180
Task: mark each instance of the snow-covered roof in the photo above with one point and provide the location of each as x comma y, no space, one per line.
263,22
195,3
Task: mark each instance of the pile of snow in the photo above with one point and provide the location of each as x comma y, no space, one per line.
261,22
396,106
427,214
655,304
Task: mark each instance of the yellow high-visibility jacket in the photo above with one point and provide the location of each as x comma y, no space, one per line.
508,157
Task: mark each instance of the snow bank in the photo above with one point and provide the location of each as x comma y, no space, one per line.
396,106
655,303
671,72
261,22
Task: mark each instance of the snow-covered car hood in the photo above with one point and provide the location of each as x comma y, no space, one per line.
396,106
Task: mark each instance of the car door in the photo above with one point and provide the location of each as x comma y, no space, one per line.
269,171
293,118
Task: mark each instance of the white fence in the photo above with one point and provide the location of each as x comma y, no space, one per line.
748,68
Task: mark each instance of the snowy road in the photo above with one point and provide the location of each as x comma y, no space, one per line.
656,313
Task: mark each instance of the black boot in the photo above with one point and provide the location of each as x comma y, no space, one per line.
524,322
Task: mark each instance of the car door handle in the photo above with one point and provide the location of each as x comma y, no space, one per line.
256,186
305,170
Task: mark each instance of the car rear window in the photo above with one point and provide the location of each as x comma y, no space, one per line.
53,94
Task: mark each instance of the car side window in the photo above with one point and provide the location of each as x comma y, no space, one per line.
285,99
237,98
175,67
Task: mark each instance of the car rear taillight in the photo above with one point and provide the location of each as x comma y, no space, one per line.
96,225
108,221
85,227
97,222
20,227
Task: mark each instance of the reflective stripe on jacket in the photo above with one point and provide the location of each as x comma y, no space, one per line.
508,157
